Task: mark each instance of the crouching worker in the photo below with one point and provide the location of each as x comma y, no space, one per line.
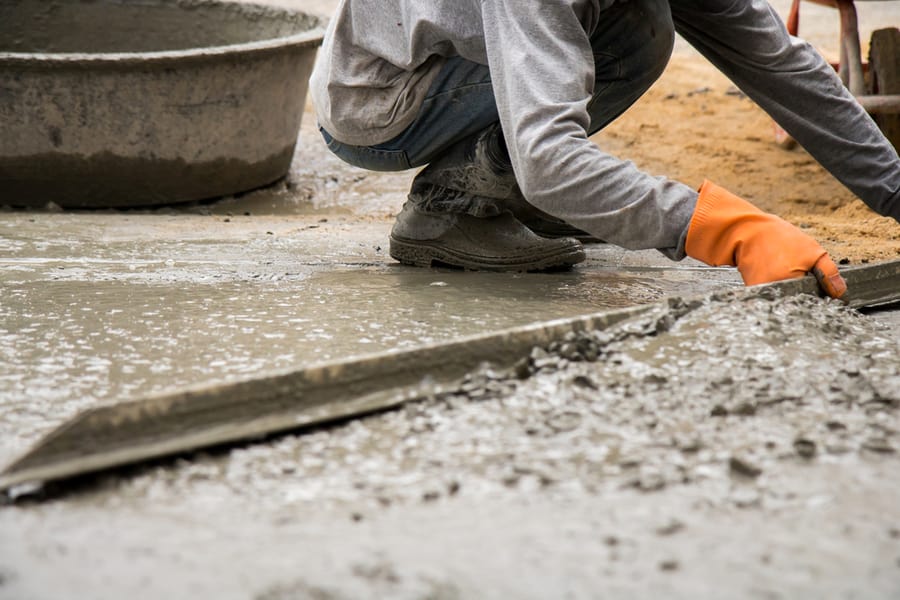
498,98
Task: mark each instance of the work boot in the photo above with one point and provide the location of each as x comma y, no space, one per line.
493,241
480,165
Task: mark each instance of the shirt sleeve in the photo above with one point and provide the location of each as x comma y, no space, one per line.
542,68
791,81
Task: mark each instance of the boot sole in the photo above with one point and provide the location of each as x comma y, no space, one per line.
425,254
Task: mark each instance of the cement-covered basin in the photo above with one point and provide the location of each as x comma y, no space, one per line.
112,103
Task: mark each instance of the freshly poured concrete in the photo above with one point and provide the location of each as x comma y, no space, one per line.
101,308
745,445
744,449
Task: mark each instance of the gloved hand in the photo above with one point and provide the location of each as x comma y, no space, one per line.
729,231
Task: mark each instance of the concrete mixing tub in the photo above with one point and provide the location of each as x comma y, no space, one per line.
111,103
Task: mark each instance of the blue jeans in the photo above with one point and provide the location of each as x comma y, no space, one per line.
632,45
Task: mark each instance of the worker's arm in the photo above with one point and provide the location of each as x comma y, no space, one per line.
748,42
542,68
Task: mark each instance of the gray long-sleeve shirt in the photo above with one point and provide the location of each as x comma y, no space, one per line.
379,58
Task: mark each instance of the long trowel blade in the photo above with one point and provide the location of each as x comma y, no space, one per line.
218,414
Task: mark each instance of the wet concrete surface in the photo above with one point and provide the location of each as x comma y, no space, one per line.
746,445
744,448
105,307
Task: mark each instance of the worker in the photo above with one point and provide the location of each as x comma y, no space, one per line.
498,98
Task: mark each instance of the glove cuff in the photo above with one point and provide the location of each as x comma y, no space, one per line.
712,230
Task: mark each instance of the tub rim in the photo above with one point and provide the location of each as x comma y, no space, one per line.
310,38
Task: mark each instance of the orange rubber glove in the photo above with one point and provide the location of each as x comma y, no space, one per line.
729,231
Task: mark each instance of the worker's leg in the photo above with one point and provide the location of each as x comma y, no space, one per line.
632,45
456,212
459,104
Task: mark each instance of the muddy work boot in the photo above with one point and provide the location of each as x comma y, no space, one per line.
494,240
480,165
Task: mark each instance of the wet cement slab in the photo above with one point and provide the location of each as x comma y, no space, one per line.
102,307
742,447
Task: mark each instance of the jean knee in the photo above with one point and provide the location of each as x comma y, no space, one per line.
656,32
631,50
371,158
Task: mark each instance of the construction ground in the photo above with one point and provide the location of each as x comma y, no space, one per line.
743,447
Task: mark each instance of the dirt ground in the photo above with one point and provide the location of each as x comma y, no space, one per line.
743,447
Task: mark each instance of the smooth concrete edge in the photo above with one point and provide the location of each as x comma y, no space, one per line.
110,436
